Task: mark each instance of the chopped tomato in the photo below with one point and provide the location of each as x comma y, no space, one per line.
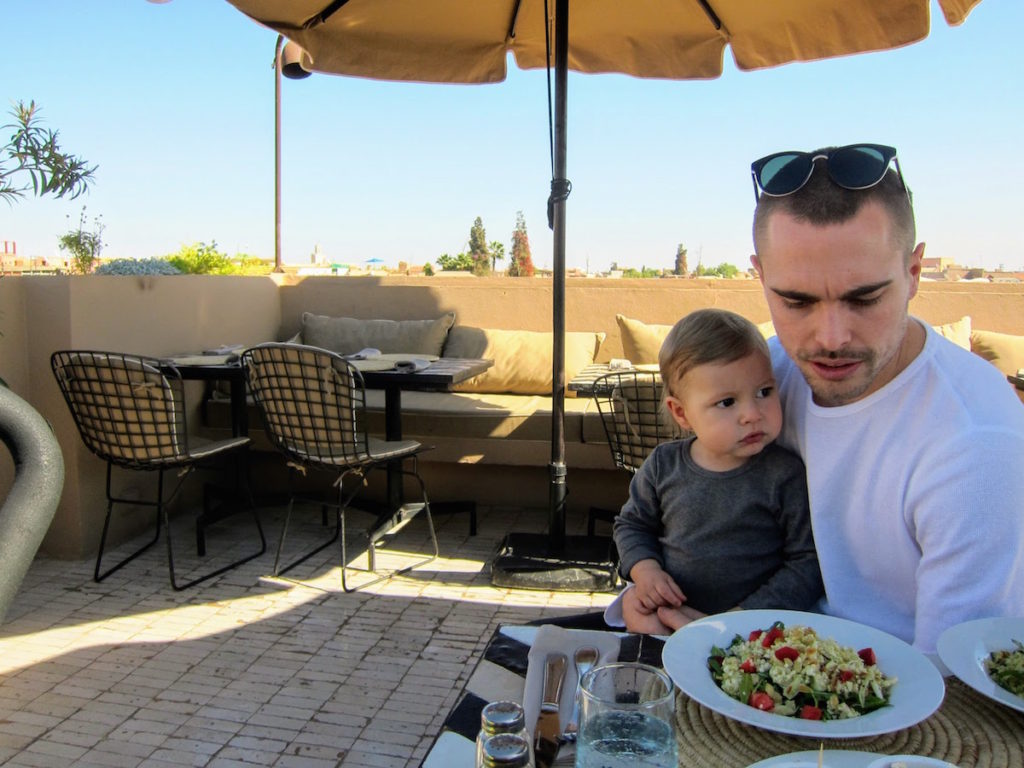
810,712
762,701
748,666
845,675
867,655
753,635
787,652
770,637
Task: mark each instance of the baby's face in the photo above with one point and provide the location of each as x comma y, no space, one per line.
733,408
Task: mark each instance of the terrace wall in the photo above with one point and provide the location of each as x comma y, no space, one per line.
166,315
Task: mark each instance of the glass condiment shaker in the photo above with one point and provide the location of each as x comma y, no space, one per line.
502,717
506,750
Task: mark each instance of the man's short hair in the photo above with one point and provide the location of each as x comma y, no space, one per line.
822,202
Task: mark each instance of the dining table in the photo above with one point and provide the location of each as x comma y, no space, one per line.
441,375
968,729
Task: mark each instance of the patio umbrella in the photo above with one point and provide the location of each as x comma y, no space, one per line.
467,41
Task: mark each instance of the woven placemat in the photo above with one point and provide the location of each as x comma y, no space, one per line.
968,730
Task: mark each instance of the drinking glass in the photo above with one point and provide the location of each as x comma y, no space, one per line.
627,718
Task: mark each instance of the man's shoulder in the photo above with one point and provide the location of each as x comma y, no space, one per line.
969,388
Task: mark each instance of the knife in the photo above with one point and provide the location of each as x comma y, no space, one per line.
549,728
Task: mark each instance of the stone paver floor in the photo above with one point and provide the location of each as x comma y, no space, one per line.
247,670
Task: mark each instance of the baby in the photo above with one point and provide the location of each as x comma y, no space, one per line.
718,520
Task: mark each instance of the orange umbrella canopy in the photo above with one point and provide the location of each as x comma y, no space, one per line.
467,41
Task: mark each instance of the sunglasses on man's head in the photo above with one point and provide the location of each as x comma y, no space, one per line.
856,166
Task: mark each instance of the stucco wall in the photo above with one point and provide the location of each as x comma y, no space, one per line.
165,315
145,315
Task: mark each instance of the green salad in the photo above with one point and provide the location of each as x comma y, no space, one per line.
791,671
1006,668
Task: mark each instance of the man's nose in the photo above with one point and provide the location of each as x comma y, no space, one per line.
832,326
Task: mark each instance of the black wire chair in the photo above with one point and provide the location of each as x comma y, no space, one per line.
635,422
314,410
130,412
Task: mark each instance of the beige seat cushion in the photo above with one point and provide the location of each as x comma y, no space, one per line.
522,359
346,335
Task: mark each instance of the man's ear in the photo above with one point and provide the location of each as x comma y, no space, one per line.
914,268
675,408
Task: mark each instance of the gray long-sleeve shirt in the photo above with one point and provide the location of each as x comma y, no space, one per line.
736,538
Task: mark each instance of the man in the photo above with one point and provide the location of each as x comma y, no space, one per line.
914,446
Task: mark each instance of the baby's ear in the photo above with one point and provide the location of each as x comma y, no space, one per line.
677,412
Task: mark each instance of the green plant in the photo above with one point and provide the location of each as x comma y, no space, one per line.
680,267
136,267
521,263
244,264
201,259
83,244
479,251
461,263
722,270
34,151
497,254
428,270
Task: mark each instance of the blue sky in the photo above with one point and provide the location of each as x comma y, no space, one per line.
174,103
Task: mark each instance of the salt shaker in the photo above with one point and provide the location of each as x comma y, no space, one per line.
502,717
506,750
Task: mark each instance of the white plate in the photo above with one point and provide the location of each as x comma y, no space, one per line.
840,758
965,647
918,693
833,758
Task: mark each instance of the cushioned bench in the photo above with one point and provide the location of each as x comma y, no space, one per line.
502,417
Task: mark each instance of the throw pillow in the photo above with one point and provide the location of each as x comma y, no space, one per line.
958,332
1004,350
522,359
346,335
641,341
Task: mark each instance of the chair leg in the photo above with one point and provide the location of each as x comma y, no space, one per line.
111,500
391,525
250,504
278,569
598,513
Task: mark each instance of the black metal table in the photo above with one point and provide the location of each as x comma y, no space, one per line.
441,376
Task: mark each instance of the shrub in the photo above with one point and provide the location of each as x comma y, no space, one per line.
202,259
137,267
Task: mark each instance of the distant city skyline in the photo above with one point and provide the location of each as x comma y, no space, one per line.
174,103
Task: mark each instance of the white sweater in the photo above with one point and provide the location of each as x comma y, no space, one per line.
916,493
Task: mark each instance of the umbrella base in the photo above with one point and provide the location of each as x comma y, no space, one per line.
583,564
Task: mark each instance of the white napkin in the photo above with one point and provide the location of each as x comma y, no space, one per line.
552,639
363,354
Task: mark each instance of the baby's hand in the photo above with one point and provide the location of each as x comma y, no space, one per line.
654,587
674,618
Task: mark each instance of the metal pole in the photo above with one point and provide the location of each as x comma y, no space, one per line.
558,491
277,154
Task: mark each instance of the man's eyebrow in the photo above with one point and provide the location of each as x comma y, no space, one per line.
851,295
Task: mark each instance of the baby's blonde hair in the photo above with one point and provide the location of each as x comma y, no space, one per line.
707,336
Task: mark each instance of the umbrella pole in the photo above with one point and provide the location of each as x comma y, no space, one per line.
553,561
558,490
